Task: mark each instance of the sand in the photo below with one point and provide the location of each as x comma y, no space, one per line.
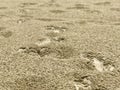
59,44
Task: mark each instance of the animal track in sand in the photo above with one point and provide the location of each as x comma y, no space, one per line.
100,63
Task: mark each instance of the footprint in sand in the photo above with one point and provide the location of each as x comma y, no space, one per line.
35,47
47,48
100,63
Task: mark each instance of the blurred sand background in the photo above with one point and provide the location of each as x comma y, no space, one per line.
59,44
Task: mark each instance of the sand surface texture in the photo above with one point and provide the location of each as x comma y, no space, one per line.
59,44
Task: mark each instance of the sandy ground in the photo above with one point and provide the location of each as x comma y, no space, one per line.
60,45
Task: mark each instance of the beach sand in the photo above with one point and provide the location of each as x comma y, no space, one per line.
59,44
